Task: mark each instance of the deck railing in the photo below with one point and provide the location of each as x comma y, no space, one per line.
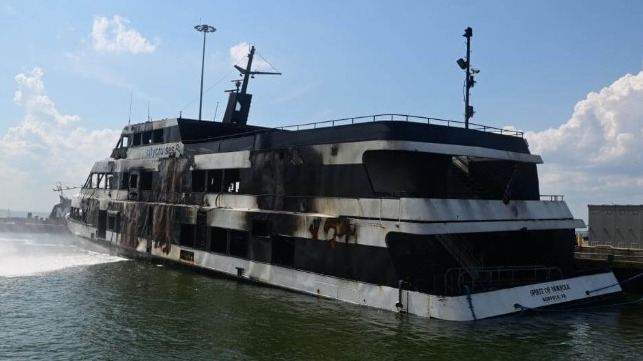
552,197
493,278
401,118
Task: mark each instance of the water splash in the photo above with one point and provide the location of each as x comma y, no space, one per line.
33,254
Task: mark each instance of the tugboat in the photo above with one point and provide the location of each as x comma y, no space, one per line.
404,213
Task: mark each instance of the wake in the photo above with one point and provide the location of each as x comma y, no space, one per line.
33,254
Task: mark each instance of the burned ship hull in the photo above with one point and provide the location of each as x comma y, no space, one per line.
410,216
402,213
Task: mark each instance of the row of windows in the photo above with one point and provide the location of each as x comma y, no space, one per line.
279,250
259,244
262,246
142,138
215,180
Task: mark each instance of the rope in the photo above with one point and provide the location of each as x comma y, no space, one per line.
525,308
473,312
640,300
267,62
615,284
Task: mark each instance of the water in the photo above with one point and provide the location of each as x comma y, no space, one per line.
61,301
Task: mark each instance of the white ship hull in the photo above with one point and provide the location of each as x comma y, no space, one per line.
472,307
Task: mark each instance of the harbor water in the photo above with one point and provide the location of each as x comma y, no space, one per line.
64,299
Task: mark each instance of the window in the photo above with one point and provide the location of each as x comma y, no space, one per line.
157,136
147,138
187,235
88,182
109,184
231,178
214,178
261,227
146,180
112,221
137,139
133,181
124,178
198,180
283,251
99,180
239,243
124,141
218,240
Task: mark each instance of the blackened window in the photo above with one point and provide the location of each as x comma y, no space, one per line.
218,240
157,136
261,227
147,138
198,180
187,235
239,243
214,180
283,251
146,181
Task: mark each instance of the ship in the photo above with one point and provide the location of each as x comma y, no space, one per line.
410,214
55,223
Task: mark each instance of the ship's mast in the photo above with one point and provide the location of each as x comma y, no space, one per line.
469,80
239,99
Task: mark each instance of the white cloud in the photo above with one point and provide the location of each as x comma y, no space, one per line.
239,54
113,36
31,95
43,149
596,156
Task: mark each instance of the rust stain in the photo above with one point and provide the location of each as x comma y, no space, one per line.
132,216
341,227
162,224
314,228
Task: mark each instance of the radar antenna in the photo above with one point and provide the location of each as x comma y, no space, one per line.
469,80
239,100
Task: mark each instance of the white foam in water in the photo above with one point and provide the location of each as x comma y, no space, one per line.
27,256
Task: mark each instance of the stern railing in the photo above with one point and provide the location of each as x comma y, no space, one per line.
493,278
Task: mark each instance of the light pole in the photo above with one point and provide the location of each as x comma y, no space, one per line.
204,28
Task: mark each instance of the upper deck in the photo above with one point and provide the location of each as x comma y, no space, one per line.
213,137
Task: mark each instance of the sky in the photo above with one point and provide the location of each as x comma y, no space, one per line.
567,73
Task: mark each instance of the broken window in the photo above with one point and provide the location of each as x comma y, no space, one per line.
124,141
99,180
88,182
214,179
198,180
231,178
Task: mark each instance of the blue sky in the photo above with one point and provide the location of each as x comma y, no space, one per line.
566,72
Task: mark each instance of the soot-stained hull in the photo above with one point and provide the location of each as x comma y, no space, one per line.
402,213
